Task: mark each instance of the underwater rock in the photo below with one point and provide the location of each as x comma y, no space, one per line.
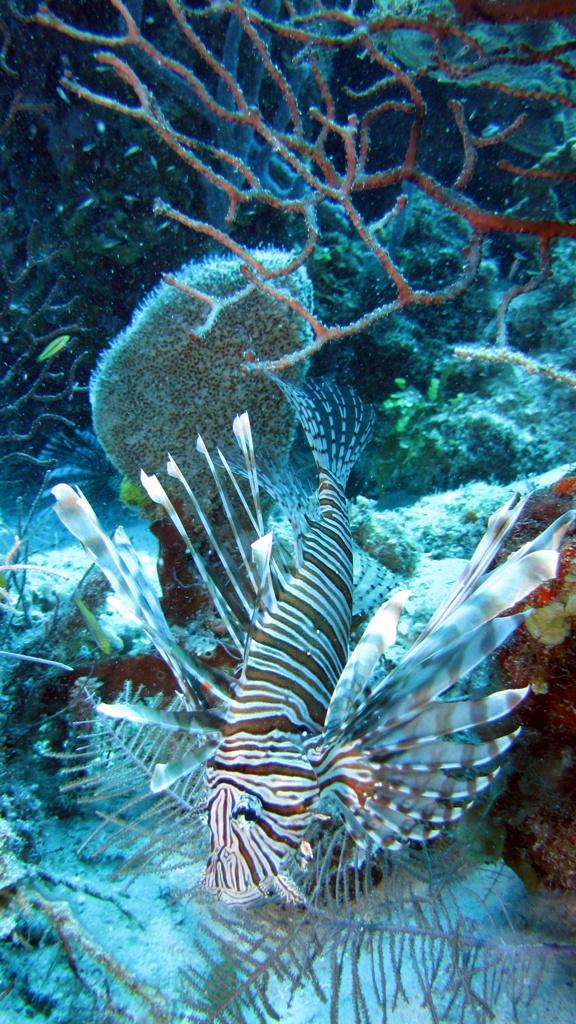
383,535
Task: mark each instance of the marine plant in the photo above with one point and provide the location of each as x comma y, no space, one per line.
414,435
321,119
436,437
39,370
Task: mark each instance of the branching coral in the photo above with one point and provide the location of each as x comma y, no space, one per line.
348,148
34,311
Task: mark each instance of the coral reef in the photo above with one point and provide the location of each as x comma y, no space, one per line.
445,525
531,822
176,369
456,428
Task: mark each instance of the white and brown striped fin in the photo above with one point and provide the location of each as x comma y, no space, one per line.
166,774
390,762
499,526
337,423
182,721
379,634
119,562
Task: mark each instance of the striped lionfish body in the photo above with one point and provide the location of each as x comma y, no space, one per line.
304,721
263,785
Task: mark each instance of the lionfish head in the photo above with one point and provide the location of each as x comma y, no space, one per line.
246,850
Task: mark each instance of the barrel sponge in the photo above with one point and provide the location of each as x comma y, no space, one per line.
176,370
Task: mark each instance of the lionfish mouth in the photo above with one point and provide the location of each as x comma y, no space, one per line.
228,878
244,891
243,894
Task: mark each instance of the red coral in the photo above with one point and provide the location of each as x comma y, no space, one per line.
542,653
537,809
565,486
182,593
506,11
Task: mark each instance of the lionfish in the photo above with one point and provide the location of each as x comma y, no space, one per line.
303,723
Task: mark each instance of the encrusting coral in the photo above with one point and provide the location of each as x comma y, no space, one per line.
178,366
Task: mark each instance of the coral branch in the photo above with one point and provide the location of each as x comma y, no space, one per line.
507,356
312,157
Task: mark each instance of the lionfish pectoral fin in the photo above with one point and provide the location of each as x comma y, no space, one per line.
379,634
166,774
409,791
119,562
391,764
173,721
499,525
395,778
470,631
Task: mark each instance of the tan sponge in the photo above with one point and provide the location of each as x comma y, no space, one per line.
176,370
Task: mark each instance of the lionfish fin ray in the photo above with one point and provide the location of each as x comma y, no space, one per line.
411,691
499,525
243,434
379,634
392,795
504,587
277,571
166,774
119,563
261,556
337,423
156,492
219,599
390,763
173,721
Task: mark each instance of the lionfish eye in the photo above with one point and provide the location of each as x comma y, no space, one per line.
248,808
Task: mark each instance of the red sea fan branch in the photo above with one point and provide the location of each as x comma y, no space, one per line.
305,155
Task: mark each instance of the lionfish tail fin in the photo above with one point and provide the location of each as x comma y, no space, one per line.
337,423
119,562
397,762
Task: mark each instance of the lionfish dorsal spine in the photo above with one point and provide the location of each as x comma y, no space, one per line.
238,590
243,434
119,562
262,557
157,493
